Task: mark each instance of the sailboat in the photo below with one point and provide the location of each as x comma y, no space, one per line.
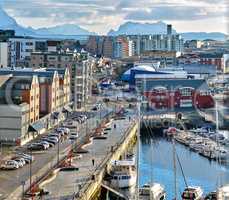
152,191
190,192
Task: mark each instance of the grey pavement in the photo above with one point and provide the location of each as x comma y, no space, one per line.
67,183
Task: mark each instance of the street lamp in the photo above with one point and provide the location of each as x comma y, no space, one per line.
23,189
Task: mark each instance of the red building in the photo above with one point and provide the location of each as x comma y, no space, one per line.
212,59
177,93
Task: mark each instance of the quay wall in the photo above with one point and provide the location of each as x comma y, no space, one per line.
90,190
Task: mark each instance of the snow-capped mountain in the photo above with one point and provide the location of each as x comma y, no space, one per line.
134,28
72,30
7,22
66,29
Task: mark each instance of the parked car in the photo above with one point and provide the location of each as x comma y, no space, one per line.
84,117
56,135
50,140
27,160
10,164
53,138
19,160
25,156
36,147
46,144
106,100
74,136
61,133
49,143
63,129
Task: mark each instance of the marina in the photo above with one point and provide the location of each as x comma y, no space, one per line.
156,163
210,145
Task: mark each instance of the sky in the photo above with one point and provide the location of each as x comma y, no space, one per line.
102,15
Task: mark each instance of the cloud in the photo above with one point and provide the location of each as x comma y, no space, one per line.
173,13
103,14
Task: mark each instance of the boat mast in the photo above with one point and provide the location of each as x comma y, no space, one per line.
217,116
138,146
151,161
174,168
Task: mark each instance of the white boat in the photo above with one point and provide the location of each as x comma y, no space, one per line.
123,179
223,193
192,193
123,173
154,192
221,153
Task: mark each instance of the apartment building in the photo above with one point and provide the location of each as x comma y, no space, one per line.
165,58
121,48
3,54
36,95
20,49
51,59
64,85
83,83
80,70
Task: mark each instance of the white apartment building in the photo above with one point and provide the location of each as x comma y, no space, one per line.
3,54
20,50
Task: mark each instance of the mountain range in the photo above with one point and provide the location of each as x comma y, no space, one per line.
72,30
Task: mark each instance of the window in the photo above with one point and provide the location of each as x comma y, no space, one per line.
186,91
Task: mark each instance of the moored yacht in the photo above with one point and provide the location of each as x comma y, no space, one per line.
223,193
123,173
152,192
192,193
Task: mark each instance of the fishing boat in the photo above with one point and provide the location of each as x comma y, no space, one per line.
152,192
192,193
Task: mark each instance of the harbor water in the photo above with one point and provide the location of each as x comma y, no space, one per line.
157,165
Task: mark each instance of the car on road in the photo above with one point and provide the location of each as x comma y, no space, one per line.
10,164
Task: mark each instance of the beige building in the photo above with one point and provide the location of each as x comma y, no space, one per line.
36,95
